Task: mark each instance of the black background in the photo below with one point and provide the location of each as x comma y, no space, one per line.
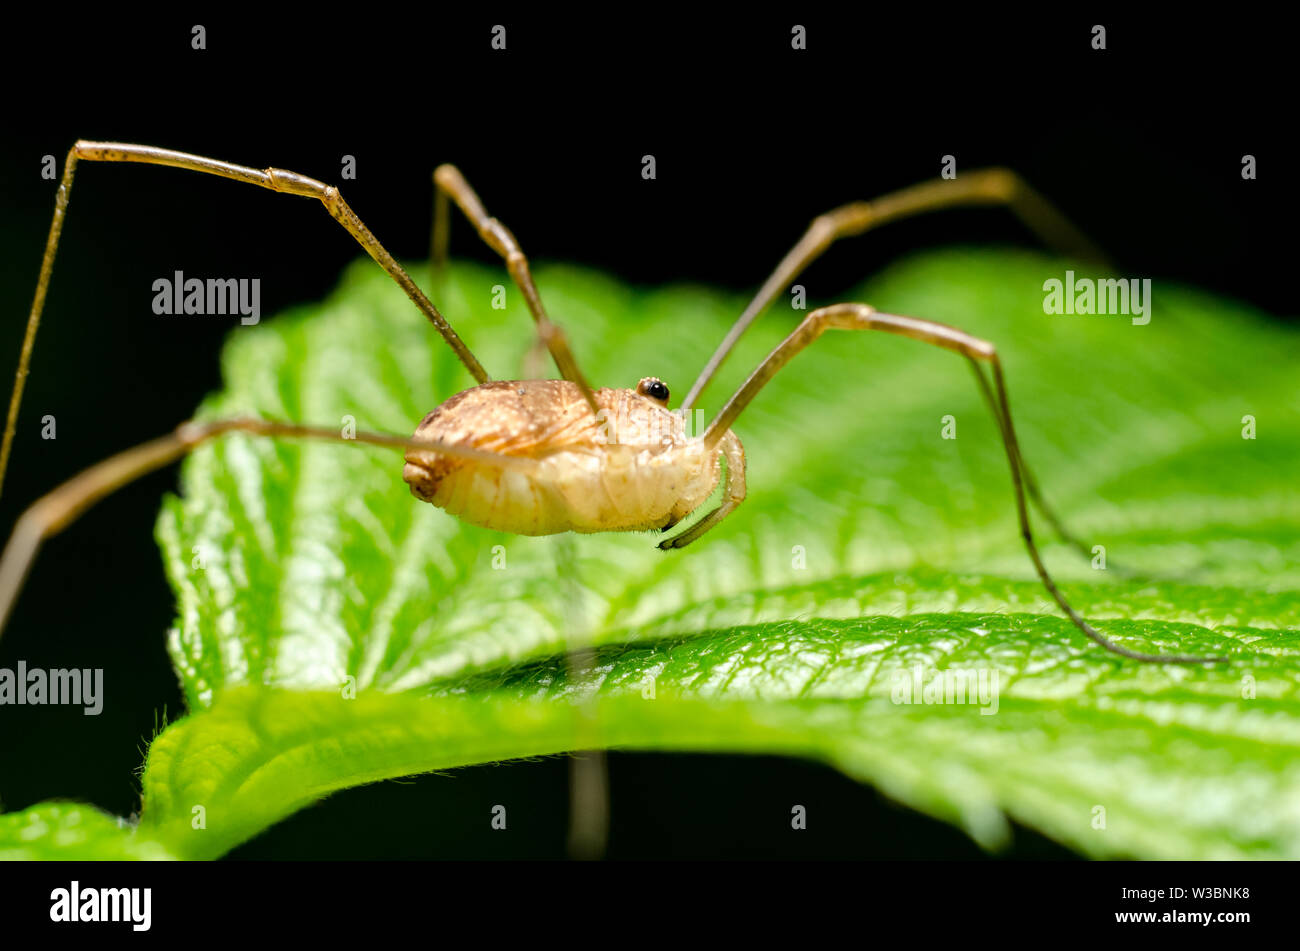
1140,145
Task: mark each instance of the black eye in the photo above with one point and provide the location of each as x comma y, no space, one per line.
655,389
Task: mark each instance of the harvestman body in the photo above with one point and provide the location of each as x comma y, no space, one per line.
539,457
629,467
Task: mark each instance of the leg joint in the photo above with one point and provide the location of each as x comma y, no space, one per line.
1001,184
847,220
281,180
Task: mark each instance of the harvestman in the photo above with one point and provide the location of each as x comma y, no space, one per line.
536,457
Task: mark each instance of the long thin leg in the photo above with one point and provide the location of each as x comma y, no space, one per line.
56,510
589,805
276,179
863,317
990,186
1035,494
449,182
1031,484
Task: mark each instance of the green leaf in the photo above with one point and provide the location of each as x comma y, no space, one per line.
869,545
69,830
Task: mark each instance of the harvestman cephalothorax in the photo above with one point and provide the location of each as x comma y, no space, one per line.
535,457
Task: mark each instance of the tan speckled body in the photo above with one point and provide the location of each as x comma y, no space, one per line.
632,467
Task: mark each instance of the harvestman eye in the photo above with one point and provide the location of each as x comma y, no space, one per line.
553,427
654,389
